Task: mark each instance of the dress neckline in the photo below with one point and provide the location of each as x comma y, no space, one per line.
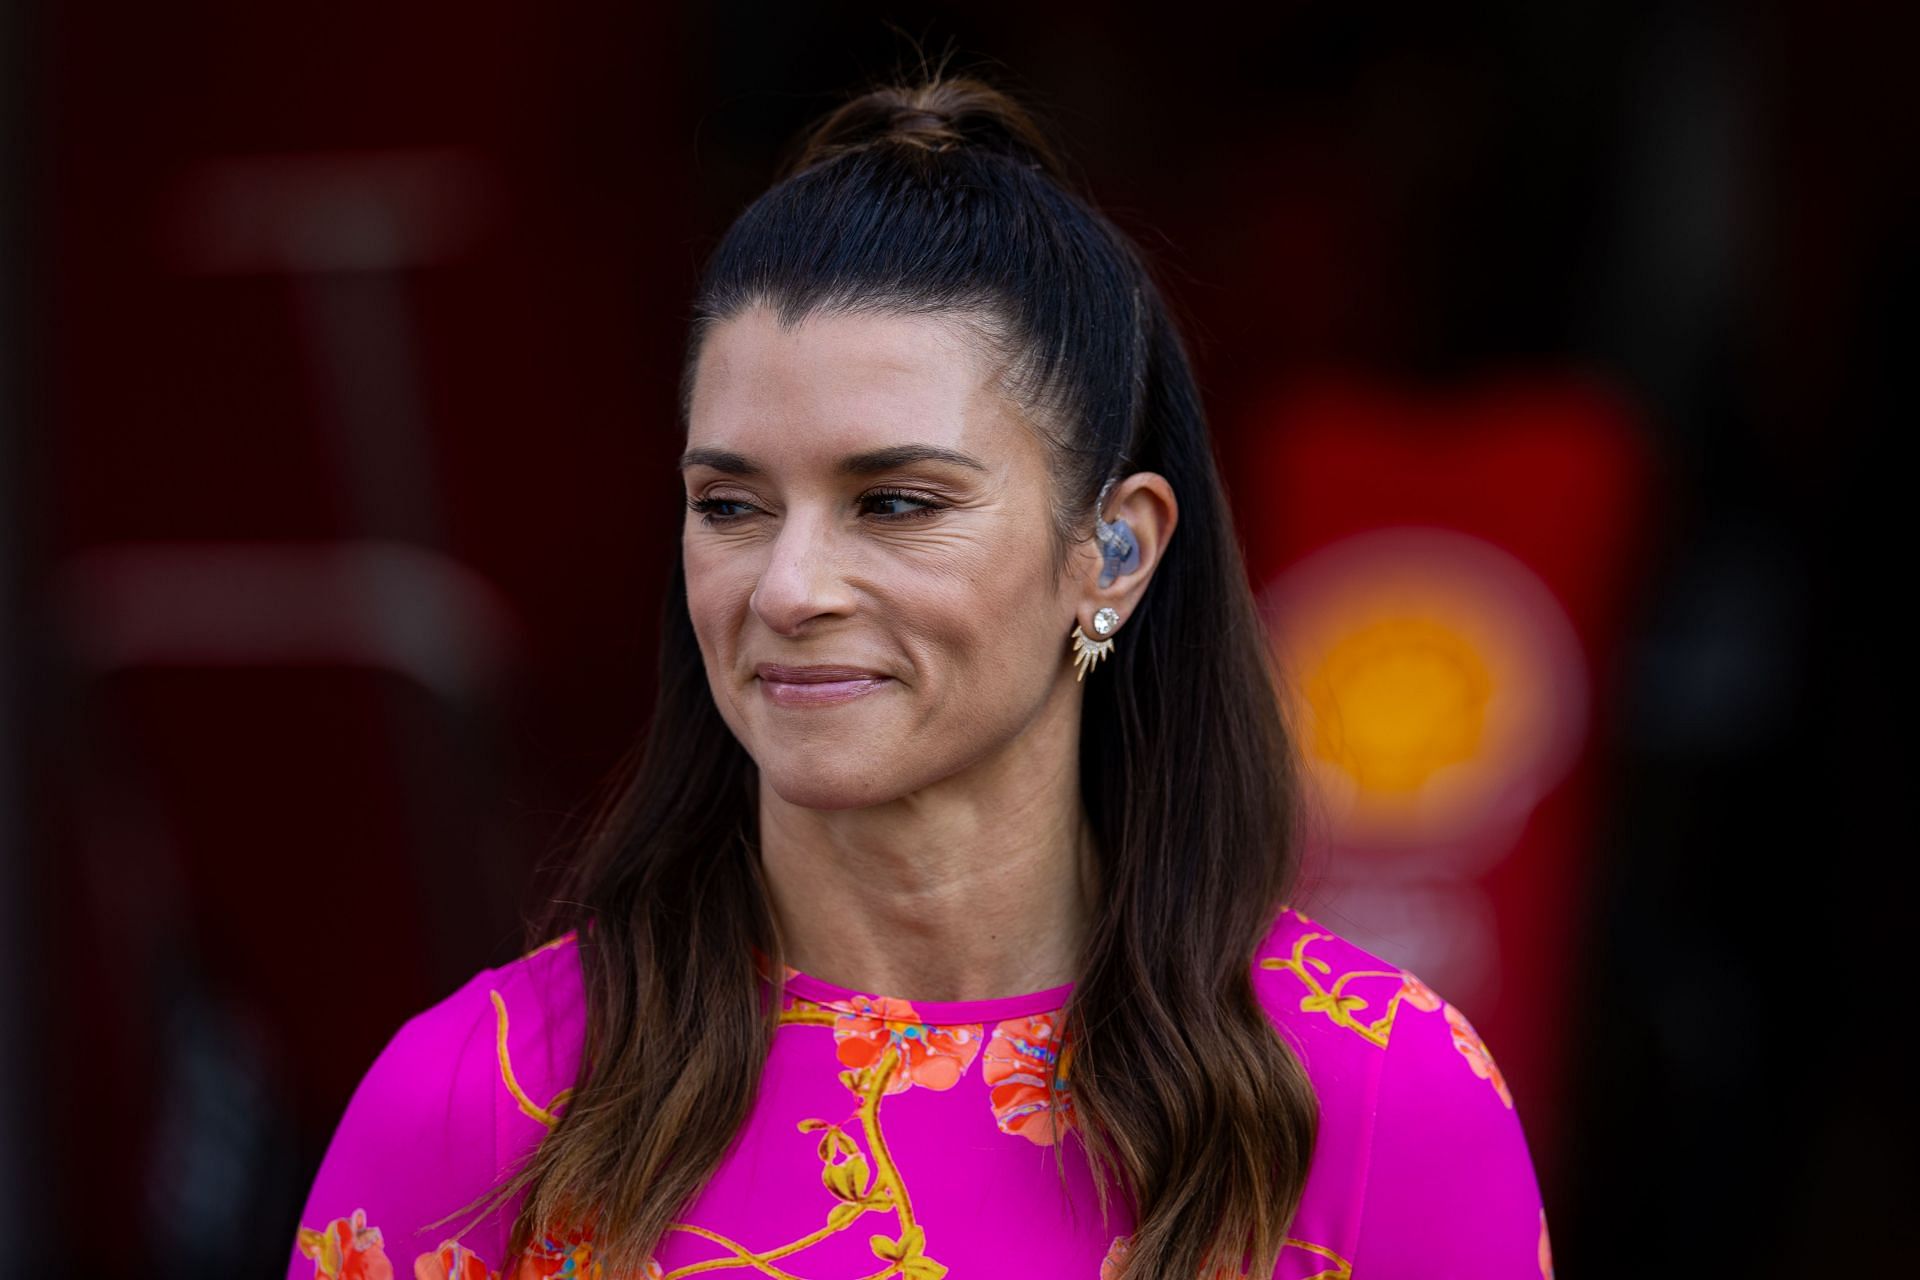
933,1013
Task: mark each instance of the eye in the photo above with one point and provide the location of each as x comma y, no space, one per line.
712,510
928,506
709,509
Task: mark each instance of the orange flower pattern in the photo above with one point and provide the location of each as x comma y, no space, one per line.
346,1249
452,1261
933,1057
566,1257
1017,1064
1419,994
1474,1050
349,1249
1347,1000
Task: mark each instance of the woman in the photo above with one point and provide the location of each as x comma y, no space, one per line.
963,826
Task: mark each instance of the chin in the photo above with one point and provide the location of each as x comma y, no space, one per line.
820,782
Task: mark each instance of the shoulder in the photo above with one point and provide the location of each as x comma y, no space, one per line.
1358,1020
461,1091
538,1016
1415,1111
1336,1003
506,1042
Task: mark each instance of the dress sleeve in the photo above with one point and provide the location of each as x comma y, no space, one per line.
1450,1189
416,1142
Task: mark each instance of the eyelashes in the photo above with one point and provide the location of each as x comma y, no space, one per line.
712,515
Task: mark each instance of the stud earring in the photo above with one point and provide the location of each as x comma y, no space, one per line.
1105,621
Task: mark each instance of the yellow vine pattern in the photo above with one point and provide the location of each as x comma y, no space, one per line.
860,1181
1340,1007
867,1180
1333,1000
1340,1270
533,1109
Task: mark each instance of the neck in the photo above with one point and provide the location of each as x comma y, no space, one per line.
978,888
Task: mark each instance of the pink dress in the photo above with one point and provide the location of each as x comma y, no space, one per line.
909,1139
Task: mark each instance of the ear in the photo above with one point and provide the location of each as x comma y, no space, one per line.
1142,512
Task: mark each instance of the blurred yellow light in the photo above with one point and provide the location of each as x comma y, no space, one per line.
1396,700
1436,687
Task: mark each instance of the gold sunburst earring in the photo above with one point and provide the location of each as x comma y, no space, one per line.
1087,652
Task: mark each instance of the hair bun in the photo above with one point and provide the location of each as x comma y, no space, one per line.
936,115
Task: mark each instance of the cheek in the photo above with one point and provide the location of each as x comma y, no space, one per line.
717,591
996,622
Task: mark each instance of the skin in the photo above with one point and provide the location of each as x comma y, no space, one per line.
925,841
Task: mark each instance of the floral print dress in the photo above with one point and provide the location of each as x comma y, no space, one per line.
909,1138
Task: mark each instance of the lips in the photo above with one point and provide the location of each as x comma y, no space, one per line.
813,675
817,686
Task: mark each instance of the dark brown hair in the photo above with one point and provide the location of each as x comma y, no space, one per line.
945,197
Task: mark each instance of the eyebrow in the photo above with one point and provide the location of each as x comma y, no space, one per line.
854,464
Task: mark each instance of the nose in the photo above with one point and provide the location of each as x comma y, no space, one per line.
802,578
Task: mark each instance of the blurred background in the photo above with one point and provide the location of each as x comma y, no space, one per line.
1550,354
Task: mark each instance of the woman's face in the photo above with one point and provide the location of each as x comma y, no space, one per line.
872,505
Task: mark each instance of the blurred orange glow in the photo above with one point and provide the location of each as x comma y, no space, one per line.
1438,688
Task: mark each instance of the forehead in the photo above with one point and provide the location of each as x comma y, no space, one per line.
837,383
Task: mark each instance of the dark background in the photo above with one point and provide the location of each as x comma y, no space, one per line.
338,370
